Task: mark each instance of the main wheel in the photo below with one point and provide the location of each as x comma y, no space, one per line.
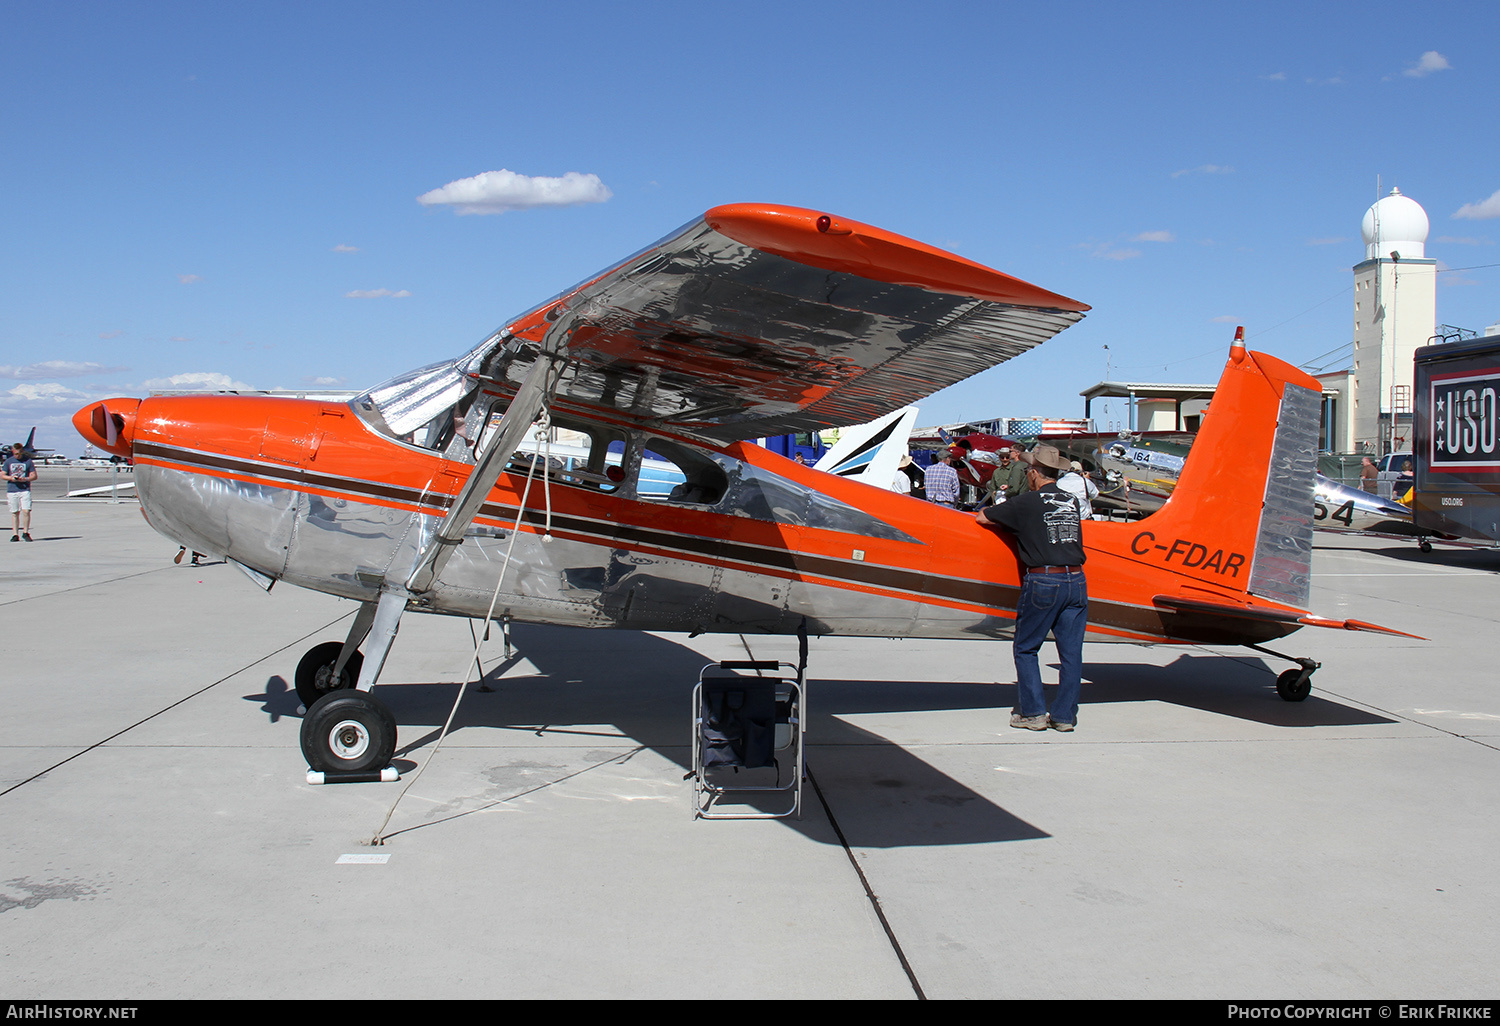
315,672
1289,688
348,732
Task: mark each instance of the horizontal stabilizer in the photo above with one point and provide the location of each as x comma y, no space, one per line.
1180,604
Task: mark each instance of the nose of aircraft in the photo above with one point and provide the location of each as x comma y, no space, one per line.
109,425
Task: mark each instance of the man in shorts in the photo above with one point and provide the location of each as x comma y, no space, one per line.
19,472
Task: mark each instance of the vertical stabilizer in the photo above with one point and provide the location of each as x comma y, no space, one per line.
1240,516
871,452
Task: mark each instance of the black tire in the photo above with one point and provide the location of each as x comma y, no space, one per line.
1424,545
314,677
348,732
1290,690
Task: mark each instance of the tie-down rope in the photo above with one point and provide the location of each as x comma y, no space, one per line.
544,438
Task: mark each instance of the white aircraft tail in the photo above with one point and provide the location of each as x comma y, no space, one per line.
869,453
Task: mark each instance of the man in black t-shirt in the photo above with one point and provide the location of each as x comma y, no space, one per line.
1054,594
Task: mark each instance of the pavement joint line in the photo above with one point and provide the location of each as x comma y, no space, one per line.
885,924
91,584
173,705
1418,573
1389,712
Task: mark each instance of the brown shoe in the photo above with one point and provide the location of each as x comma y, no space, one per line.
1028,722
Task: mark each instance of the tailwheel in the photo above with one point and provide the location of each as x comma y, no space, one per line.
1424,545
315,678
1294,685
348,732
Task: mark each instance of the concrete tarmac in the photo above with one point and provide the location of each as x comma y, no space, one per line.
1196,837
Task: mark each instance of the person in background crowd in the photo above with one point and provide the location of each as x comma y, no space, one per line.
941,482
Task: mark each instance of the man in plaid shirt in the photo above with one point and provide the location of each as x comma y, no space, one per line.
941,482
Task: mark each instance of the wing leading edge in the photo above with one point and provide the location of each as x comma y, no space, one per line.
757,320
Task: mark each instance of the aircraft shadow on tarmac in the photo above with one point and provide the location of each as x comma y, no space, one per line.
1227,685
1455,558
635,687
1459,555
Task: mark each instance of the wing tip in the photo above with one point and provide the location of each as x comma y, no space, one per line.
840,244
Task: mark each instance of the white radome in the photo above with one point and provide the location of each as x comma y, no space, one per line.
1402,228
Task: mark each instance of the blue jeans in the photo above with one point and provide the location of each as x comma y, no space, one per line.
1058,603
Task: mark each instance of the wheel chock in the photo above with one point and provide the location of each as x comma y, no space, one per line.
385,776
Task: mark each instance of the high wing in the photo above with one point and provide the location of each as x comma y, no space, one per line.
759,320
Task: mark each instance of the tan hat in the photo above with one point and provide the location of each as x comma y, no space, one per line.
1047,456
905,461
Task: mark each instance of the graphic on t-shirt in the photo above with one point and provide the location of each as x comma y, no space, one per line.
20,469
1061,518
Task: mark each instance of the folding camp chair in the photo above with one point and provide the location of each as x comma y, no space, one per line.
747,740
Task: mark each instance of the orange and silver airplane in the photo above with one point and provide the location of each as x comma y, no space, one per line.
752,320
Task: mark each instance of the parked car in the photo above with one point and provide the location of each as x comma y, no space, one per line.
1391,467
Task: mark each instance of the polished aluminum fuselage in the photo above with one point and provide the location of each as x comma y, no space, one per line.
606,562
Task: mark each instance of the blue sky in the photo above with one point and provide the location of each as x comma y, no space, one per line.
227,192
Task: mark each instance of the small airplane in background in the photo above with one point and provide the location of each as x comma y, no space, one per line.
1136,475
870,453
29,449
752,320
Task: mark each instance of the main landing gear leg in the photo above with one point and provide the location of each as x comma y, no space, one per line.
350,735
1292,685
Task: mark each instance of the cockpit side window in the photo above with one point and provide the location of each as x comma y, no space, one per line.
678,473
571,452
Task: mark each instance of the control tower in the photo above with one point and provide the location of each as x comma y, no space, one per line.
1395,313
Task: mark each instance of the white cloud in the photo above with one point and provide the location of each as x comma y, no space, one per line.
1157,236
1108,251
495,192
1205,169
209,381
49,392
376,294
56,369
1428,63
1225,319
343,248
1463,240
49,407
110,334
324,382
1481,211
188,279
1279,76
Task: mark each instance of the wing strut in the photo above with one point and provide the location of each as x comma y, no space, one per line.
518,417
532,395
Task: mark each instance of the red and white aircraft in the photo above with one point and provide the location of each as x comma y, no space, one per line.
419,496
